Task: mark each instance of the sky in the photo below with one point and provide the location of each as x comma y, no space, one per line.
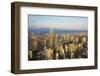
58,22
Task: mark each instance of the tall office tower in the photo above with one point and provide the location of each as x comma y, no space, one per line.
50,37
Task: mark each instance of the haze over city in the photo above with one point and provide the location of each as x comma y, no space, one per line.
58,22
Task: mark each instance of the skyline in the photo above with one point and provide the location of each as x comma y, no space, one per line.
58,22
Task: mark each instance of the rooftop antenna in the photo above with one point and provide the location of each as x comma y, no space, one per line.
51,29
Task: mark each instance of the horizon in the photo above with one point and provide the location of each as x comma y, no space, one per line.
45,30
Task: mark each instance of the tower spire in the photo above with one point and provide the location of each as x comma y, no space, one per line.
51,29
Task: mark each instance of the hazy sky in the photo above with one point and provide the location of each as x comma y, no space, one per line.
58,22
